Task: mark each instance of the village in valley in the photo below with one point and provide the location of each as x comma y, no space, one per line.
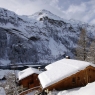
57,78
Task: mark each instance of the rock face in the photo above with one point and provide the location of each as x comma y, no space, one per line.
38,39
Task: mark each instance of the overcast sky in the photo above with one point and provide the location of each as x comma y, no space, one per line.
83,10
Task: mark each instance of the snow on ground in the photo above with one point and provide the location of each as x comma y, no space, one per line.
89,89
5,72
4,62
2,91
32,93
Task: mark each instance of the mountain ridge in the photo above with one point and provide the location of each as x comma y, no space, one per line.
38,39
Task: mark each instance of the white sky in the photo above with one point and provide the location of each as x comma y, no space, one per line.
83,10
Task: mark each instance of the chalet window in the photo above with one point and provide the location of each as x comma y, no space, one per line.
78,78
73,80
31,82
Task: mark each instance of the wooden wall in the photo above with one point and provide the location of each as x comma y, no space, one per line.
79,79
91,74
30,81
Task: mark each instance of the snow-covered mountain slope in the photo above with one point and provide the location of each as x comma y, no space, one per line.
44,13
39,38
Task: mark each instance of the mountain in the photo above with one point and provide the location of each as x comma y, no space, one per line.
40,38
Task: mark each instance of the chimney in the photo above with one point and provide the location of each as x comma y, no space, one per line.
67,57
39,68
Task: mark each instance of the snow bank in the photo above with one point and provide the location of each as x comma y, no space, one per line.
87,90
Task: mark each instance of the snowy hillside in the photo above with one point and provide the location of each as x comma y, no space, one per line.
38,39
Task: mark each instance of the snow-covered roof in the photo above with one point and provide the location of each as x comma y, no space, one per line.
60,70
27,72
74,63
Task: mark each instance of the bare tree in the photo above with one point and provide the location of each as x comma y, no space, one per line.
10,85
91,53
81,49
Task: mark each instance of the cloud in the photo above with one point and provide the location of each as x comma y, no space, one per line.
93,21
75,11
83,11
28,7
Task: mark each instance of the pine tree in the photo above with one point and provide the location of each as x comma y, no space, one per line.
81,49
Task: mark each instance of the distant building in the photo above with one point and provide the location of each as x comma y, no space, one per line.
67,74
29,77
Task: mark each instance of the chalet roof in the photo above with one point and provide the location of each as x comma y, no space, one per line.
27,72
60,70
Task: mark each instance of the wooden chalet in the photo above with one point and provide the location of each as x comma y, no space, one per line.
28,78
67,74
